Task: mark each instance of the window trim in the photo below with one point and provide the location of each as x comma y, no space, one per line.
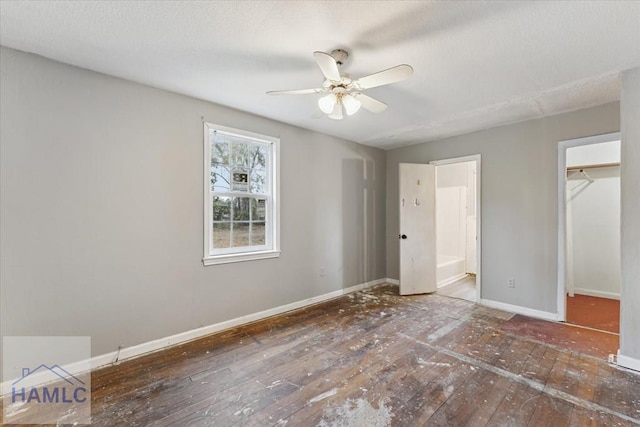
274,162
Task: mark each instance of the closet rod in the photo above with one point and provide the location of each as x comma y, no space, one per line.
599,165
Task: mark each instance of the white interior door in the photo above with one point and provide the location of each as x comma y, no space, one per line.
417,236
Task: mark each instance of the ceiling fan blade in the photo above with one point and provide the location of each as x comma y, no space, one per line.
391,75
328,66
295,92
371,104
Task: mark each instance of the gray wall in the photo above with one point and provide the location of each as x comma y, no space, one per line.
630,215
101,210
519,199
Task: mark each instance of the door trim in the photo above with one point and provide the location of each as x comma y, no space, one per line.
562,210
478,159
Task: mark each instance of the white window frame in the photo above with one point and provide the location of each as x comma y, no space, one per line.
272,222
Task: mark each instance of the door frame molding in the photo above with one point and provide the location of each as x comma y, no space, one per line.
478,159
562,210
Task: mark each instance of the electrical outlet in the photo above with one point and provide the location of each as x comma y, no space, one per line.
511,283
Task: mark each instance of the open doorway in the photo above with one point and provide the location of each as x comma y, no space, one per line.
590,226
457,219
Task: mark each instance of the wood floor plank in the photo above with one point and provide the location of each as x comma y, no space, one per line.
459,407
551,412
517,407
496,388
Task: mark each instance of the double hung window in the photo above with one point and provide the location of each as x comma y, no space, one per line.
241,198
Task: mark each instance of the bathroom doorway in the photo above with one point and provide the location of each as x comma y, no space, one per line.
457,227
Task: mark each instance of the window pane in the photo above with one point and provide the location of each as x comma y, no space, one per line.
257,233
241,208
219,153
240,155
240,234
257,156
221,235
258,209
248,155
239,179
222,208
220,178
258,181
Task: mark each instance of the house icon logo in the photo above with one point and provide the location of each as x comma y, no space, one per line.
47,380
60,386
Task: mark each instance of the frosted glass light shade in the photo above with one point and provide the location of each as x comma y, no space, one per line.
327,103
336,114
351,105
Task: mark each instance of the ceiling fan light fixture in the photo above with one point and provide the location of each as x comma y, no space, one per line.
327,103
340,89
351,104
336,114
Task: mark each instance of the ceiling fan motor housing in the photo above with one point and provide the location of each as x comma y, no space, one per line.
340,55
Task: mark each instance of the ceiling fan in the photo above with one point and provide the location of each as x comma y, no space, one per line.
343,92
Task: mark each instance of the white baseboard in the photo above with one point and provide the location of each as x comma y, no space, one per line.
599,294
393,281
182,337
545,315
628,362
162,343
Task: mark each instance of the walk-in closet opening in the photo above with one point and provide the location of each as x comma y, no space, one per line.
592,235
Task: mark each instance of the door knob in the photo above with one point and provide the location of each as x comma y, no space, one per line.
402,236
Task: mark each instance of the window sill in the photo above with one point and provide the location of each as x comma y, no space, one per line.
246,256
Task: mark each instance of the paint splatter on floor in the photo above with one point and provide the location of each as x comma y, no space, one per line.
357,412
323,395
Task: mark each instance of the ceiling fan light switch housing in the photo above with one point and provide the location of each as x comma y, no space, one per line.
340,55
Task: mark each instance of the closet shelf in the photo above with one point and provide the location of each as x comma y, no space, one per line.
599,165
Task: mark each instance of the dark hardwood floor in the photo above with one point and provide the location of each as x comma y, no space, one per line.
587,341
368,359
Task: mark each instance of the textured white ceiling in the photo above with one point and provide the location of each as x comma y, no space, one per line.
477,64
